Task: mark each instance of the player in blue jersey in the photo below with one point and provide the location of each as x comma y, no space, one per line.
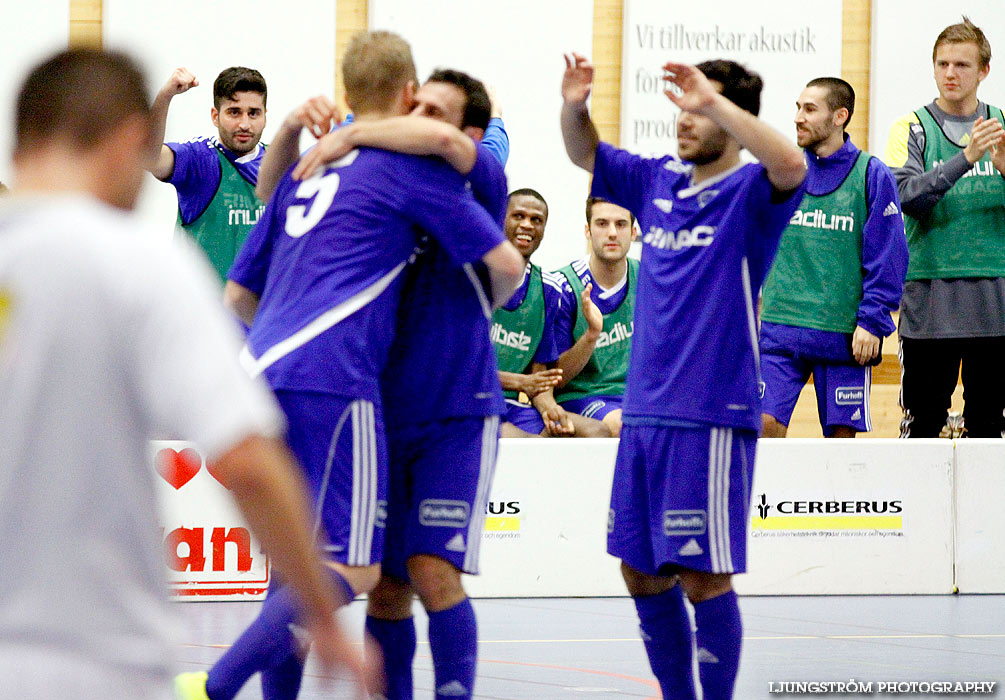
442,418
215,176
598,293
320,279
838,275
710,227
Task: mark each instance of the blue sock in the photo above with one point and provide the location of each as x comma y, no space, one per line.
453,641
267,644
666,633
720,634
283,681
396,639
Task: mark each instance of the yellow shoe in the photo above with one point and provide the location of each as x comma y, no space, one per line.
191,686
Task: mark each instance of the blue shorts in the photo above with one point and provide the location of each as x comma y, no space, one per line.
789,355
341,447
842,391
595,407
681,498
524,417
439,480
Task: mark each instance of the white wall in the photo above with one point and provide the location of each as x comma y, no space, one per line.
29,31
517,47
903,34
788,42
292,43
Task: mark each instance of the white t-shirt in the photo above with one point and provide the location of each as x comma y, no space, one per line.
106,340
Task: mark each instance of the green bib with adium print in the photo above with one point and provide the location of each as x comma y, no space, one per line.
517,333
816,278
963,235
604,373
221,228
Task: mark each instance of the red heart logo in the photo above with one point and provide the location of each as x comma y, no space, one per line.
178,468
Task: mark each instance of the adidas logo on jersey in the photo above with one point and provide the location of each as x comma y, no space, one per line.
514,339
664,205
819,219
699,236
691,549
452,689
456,544
677,166
616,335
706,657
891,210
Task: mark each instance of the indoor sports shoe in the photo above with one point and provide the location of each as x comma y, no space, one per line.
191,686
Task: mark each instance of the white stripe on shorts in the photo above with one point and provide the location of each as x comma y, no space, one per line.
364,478
486,469
326,474
719,457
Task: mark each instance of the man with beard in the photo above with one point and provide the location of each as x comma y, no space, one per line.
838,274
215,176
711,224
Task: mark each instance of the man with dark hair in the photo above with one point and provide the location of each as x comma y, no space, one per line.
595,321
711,224
523,331
442,418
837,277
949,158
215,176
106,340
319,282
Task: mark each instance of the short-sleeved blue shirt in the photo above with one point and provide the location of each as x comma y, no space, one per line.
327,256
706,250
196,174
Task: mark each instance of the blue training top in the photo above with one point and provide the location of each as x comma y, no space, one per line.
442,362
706,250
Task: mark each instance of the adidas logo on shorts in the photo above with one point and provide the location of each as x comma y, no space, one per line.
456,544
857,415
706,657
691,549
452,689
891,210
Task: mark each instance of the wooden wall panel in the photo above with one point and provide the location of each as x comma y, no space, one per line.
85,23
351,16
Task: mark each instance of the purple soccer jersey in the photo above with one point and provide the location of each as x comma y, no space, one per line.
327,259
706,250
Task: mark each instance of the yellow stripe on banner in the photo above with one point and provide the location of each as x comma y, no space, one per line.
502,524
830,522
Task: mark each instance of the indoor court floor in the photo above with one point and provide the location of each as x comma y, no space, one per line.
565,648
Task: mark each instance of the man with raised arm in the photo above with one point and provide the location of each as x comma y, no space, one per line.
710,227
105,341
319,282
949,161
595,321
838,275
442,417
215,176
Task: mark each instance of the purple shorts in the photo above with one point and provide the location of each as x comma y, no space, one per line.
595,407
525,417
842,391
341,446
440,476
681,498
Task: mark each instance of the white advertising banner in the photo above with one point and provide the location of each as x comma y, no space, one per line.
787,42
980,530
851,517
546,530
209,553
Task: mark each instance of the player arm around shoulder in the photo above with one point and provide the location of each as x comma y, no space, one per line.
782,159
181,81
317,115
